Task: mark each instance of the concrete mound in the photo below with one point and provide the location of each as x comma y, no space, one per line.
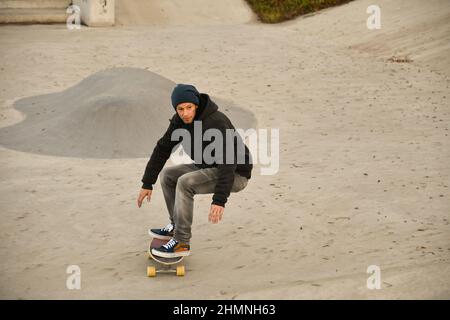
114,113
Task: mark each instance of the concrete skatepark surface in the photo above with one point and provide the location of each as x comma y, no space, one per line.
363,177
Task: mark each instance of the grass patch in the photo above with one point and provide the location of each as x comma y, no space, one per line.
273,11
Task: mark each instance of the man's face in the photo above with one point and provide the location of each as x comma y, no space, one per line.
186,111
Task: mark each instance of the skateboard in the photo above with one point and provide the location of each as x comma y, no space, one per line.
166,265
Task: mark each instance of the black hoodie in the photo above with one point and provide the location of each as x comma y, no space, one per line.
210,118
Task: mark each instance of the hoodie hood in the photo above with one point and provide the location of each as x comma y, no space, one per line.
206,107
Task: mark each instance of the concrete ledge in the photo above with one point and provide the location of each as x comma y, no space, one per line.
30,16
34,4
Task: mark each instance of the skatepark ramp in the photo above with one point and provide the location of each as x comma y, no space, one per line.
182,12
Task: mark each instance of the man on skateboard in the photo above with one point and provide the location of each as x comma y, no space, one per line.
181,182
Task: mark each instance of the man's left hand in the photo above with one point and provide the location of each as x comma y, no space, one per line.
215,213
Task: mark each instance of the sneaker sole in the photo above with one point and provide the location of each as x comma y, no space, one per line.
170,255
158,236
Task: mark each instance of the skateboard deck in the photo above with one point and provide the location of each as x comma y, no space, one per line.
164,264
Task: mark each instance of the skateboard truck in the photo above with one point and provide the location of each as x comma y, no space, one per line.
166,264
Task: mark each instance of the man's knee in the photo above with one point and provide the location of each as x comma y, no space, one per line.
185,183
166,176
239,184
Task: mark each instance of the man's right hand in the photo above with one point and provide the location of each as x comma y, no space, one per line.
144,193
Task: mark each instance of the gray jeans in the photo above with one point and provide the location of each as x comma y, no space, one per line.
180,183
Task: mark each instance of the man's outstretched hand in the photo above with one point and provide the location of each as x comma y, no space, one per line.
215,213
144,193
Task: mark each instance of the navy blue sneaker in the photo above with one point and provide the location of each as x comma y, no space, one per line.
165,233
172,249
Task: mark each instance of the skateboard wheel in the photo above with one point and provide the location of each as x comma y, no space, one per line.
151,272
180,271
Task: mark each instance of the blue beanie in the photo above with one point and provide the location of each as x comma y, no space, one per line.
185,93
